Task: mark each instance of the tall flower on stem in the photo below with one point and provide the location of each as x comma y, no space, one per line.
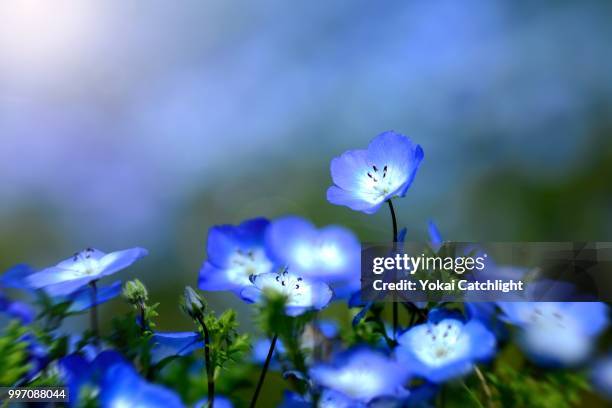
283,296
84,268
365,178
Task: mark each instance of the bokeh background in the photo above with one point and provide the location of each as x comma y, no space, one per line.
143,123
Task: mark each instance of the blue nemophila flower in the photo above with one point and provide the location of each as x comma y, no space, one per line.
122,387
173,344
445,346
81,374
82,268
601,376
362,374
365,179
330,254
17,309
235,253
556,333
301,294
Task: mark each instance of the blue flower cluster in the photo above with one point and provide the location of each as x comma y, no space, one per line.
288,255
382,365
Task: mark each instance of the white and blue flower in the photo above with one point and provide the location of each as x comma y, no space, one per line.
81,269
301,295
234,255
330,254
361,375
556,333
445,347
365,179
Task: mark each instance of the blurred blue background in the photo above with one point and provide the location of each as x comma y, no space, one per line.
127,123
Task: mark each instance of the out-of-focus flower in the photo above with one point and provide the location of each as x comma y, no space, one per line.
172,344
601,376
556,333
16,277
445,346
301,294
235,253
364,179
17,309
330,254
81,374
362,374
123,387
82,268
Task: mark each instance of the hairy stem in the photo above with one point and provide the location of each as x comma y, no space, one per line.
210,370
395,306
262,376
93,313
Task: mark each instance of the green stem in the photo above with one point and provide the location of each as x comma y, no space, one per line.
94,313
395,305
210,370
262,376
474,397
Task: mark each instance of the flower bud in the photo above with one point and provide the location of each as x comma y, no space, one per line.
135,292
193,304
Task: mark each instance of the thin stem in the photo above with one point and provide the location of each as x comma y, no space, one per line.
393,218
474,397
94,313
262,376
485,386
395,305
210,371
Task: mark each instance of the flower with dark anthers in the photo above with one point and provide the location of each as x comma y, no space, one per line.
82,268
300,294
364,179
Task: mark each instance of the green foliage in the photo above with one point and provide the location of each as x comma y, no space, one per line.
226,345
370,329
519,388
13,354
